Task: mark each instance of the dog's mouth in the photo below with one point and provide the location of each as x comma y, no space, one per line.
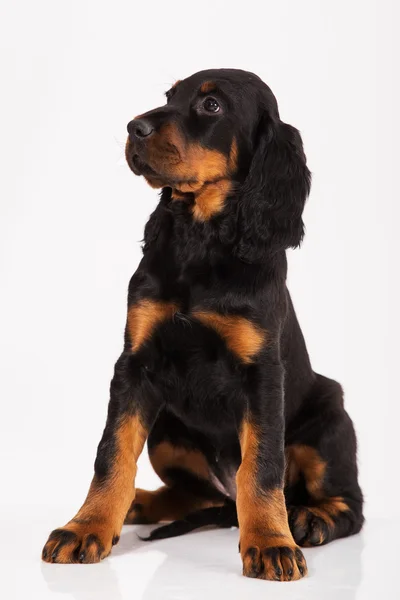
155,177
139,163
140,167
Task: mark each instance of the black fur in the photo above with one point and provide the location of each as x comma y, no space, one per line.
221,516
187,385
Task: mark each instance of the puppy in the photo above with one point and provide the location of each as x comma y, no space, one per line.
215,373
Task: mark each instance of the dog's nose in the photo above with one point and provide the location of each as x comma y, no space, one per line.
140,128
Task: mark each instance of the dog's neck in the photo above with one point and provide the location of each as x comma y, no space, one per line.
208,199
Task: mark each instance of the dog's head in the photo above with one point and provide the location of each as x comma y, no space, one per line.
219,135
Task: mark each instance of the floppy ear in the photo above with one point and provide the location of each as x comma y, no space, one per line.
274,193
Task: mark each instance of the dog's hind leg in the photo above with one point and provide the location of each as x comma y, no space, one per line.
322,493
167,504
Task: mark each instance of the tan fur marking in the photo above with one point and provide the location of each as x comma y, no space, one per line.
262,515
128,144
305,459
176,195
108,499
335,505
192,164
322,514
210,200
107,502
190,168
268,511
200,165
165,456
302,518
233,156
145,316
242,337
330,507
207,86
165,504
292,471
325,510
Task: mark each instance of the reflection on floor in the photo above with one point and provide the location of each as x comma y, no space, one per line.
203,565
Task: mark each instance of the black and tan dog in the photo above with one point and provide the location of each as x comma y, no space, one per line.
215,373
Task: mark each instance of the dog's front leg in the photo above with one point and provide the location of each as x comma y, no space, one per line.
90,535
266,544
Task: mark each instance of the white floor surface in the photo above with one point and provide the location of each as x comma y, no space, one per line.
203,565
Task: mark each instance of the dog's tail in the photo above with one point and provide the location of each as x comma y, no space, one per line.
221,516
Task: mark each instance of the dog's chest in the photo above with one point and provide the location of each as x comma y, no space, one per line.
192,319
193,324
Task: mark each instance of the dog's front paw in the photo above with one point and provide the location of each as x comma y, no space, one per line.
86,541
276,562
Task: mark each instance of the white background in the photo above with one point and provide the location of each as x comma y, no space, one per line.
73,73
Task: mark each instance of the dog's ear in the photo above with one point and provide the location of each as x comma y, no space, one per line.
274,192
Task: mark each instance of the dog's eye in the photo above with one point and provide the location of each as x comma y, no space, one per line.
211,105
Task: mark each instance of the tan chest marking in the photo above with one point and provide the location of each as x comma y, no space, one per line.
145,316
211,173
210,200
242,337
